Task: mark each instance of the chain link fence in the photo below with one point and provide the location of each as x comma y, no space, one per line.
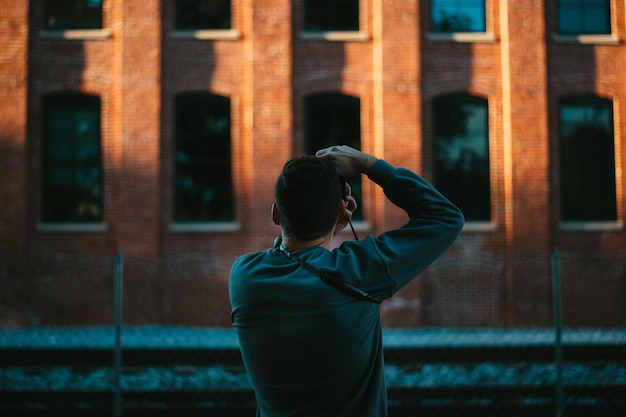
65,350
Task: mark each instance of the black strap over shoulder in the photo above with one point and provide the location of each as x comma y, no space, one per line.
329,278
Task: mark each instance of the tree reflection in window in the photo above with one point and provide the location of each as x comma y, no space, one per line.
458,16
587,155
203,180
461,154
72,162
333,119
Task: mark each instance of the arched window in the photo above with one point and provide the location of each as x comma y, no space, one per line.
203,179
334,119
72,159
330,15
587,156
461,153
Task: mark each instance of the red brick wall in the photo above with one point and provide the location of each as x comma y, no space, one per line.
13,154
594,287
495,276
13,161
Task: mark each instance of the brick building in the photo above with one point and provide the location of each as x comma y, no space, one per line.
157,128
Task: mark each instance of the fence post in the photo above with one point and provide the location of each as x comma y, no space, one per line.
558,348
119,275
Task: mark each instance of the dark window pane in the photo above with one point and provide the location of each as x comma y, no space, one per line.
461,152
72,162
569,21
73,14
203,180
335,119
587,154
584,17
595,21
325,15
202,14
458,16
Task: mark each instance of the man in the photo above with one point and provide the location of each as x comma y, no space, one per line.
313,347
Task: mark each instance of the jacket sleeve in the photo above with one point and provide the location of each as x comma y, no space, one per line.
384,264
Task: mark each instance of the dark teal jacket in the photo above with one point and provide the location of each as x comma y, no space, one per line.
311,350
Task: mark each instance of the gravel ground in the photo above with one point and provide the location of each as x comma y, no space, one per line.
212,377
163,337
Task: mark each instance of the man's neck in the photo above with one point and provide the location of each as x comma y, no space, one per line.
292,244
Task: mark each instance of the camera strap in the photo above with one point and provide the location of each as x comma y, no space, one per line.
328,278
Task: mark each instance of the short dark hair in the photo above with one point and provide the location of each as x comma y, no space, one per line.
307,195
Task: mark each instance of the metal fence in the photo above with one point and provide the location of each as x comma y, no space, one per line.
161,362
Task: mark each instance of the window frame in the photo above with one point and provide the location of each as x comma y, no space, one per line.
336,99
74,101
223,106
582,8
75,33
358,34
202,34
309,4
47,16
486,36
569,222
479,223
433,9
208,28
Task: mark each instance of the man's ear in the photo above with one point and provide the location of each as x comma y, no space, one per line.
342,218
342,210
350,205
275,215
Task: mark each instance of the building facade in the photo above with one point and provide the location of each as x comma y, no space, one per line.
157,129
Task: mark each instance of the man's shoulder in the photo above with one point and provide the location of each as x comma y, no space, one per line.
251,259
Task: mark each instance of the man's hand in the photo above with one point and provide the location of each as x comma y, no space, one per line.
350,207
349,161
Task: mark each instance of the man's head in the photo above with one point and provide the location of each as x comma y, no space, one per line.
308,196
